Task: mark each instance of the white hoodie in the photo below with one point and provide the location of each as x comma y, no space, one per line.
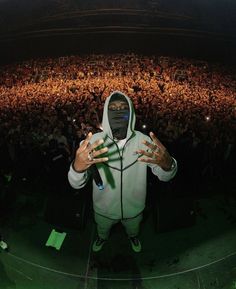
124,178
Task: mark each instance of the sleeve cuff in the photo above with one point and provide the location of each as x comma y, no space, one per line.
77,179
163,175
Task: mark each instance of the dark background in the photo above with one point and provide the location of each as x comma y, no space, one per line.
197,28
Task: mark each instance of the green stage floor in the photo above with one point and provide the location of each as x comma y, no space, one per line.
199,257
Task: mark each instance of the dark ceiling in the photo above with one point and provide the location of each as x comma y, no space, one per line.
196,28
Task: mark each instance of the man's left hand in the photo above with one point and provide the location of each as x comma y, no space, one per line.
158,154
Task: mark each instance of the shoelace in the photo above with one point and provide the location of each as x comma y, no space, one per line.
135,241
99,241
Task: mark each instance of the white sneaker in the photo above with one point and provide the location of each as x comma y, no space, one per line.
98,244
3,245
135,243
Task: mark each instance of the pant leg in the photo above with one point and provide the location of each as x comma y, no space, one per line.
104,225
132,225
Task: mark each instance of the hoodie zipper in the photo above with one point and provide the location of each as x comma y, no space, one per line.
121,173
121,178
121,186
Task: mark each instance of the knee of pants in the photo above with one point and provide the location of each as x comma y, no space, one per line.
104,223
132,225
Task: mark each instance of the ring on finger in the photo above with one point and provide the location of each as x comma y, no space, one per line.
156,149
90,156
155,155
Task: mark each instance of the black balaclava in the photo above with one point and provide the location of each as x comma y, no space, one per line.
118,119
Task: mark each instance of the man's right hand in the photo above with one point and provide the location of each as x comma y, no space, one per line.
86,154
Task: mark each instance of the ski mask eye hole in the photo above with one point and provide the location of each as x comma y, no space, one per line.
118,106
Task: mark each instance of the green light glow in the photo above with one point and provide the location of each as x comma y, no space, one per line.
55,239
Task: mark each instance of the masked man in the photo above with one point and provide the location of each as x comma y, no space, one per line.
121,155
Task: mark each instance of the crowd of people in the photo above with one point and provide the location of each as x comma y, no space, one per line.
48,105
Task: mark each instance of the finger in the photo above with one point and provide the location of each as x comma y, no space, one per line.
153,147
85,143
156,141
101,160
100,152
147,154
152,161
96,144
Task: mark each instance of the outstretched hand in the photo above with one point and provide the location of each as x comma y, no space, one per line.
156,153
86,154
